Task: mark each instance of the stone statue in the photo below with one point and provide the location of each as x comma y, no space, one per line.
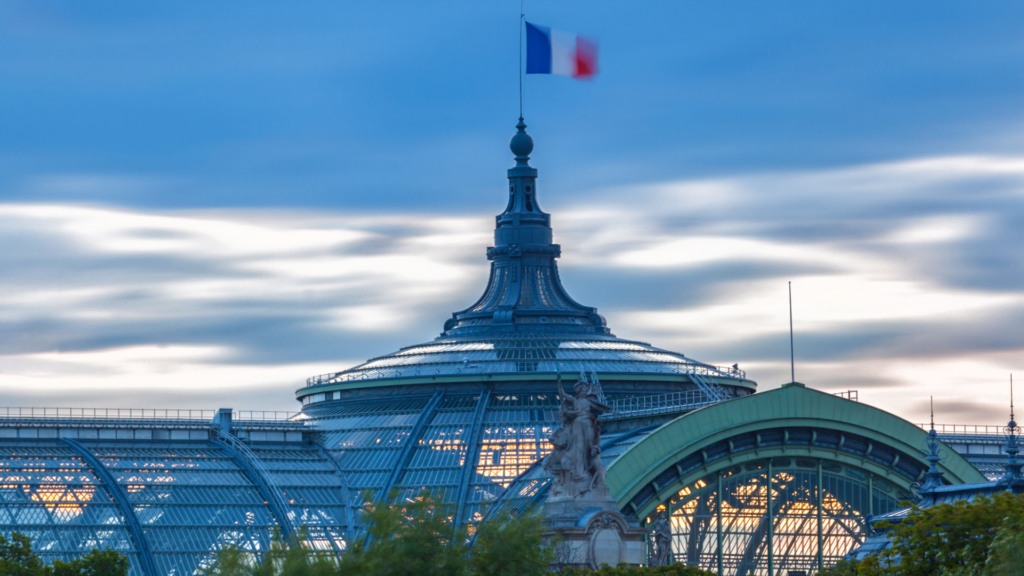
584,524
662,541
575,460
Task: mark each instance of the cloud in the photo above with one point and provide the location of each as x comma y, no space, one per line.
906,281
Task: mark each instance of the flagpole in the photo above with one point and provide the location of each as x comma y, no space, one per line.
522,16
792,354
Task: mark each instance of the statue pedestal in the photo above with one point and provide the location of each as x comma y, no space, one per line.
587,533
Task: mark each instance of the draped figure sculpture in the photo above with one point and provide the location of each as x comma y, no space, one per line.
662,541
575,460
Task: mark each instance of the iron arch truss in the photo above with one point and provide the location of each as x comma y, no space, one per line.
815,513
828,462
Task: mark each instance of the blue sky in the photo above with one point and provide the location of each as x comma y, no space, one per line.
203,199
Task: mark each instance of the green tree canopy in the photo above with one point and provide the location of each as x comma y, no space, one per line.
415,537
18,559
980,537
511,546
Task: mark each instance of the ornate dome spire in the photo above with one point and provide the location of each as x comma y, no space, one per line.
933,478
524,291
1013,466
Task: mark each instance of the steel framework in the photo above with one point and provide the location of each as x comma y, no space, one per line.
259,476
346,495
119,495
411,441
814,512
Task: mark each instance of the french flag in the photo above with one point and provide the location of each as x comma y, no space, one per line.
555,52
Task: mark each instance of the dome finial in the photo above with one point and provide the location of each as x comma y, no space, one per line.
521,144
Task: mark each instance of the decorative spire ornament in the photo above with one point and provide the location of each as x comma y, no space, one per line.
1012,447
932,478
524,292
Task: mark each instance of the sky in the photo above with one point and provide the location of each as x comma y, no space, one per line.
202,204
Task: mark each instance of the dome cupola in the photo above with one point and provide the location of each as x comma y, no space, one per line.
524,291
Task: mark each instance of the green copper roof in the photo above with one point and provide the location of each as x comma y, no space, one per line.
634,474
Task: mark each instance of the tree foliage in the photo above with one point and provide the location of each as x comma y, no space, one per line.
416,537
511,546
96,563
18,559
980,537
412,537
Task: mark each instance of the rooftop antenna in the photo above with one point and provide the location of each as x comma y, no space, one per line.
1011,398
792,354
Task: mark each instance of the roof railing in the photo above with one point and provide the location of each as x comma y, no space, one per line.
41,413
263,415
478,367
658,404
966,429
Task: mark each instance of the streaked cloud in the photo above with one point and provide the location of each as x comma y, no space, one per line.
906,279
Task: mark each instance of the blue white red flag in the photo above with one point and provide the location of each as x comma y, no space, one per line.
555,52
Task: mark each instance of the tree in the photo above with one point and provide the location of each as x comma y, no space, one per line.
511,546
979,537
18,559
285,558
230,561
295,558
414,536
1006,554
96,563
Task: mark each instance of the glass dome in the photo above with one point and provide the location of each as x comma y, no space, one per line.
467,413
524,327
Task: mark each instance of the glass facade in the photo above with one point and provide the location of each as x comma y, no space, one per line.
790,520
177,499
314,490
186,498
191,498
413,445
367,439
48,493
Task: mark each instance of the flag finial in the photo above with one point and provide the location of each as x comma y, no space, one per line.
521,143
